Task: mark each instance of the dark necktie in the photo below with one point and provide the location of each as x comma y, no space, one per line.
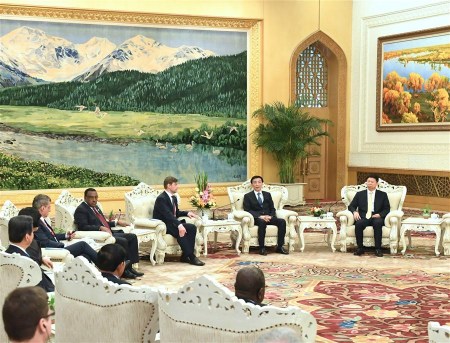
49,229
101,218
174,204
260,200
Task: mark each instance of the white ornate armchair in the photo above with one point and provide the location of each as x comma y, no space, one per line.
392,222
103,311
15,271
139,210
206,311
445,236
249,230
65,207
438,333
8,211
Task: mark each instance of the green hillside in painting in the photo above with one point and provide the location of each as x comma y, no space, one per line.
214,86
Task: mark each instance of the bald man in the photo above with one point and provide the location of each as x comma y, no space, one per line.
250,285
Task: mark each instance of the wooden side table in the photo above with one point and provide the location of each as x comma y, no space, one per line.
418,225
316,223
217,226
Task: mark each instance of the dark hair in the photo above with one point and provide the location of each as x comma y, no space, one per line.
87,190
373,176
110,256
23,309
18,227
41,200
169,180
256,177
249,280
33,213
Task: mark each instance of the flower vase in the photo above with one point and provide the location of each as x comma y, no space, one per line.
204,213
317,214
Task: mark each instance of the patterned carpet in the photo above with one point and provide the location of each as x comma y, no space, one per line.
357,304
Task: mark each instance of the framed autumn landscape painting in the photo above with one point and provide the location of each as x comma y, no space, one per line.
413,72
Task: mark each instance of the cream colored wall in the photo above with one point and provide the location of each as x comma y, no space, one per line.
396,150
285,25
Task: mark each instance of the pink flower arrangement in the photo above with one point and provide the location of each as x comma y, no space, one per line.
203,197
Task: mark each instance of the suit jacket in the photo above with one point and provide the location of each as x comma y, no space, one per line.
44,236
86,220
381,204
45,283
113,278
35,252
251,204
163,210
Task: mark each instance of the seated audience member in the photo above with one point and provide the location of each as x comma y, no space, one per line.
111,262
49,239
250,285
280,335
260,205
20,231
26,315
369,208
166,209
89,217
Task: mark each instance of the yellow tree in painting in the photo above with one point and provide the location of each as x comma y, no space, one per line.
415,82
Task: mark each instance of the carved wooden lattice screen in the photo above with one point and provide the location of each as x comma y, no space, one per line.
311,88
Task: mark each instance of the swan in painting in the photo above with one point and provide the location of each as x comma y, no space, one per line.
163,146
233,128
215,151
174,149
80,107
208,135
189,147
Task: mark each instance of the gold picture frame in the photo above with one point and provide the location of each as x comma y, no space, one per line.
413,81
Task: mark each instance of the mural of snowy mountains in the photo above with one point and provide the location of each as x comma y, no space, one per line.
30,56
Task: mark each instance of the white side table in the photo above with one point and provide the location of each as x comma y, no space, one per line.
316,223
217,226
421,224
143,236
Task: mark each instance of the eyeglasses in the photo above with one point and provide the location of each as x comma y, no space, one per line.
50,315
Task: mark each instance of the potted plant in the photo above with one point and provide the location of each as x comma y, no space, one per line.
287,133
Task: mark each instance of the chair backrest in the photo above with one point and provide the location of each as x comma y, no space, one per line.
438,333
140,202
206,311
236,194
65,207
8,211
89,308
396,194
15,271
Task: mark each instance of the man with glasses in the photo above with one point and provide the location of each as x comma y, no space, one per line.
20,231
26,315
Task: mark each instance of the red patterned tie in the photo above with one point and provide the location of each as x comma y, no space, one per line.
174,203
49,227
101,218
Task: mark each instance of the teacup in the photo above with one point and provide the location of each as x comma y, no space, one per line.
434,216
329,214
205,217
230,216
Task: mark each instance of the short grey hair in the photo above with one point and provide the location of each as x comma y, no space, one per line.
280,335
41,200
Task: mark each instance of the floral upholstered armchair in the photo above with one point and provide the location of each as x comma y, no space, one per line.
103,311
392,222
249,230
206,311
139,205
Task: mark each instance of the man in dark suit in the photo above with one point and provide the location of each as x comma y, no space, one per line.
89,217
49,239
20,232
111,262
250,285
260,205
166,209
369,208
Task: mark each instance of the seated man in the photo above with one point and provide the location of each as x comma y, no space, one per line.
250,285
369,208
111,262
260,205
166,209
49,239
20,231
26,315
89,217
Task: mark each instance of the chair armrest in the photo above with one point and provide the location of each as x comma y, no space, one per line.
241,215
56,253
147,223
98,236
388,221
346,217
285,214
